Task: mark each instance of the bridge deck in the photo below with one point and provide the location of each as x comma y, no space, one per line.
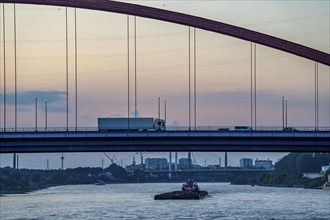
94,141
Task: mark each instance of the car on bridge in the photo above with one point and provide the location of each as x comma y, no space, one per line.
289,129
242,128
235,128
223,129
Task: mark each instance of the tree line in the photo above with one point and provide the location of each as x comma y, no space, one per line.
289,171
26,180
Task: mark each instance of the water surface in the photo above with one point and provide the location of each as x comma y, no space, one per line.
135,201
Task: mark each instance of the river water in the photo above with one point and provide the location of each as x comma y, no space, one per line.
135,201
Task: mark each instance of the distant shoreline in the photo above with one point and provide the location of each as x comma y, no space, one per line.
281,186
288,186
4,193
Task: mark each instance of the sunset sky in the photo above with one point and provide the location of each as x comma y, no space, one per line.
223,65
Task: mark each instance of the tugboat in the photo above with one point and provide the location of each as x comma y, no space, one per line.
326,186
189,190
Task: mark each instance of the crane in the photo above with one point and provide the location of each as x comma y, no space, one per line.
112,159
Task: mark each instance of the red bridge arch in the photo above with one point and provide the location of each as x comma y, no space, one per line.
188,20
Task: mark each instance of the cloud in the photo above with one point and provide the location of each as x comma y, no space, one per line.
25,99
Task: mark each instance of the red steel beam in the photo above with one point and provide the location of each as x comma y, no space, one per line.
188,20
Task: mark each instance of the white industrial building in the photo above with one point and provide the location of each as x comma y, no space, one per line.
266,164
245,163
156,163
324,169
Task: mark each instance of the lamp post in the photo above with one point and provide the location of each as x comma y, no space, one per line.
158,107
36,111
286,112
283,118
165,111
45,115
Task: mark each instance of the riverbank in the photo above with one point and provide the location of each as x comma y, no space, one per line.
291,186
283,186
282,180
19,181
288,173
13,192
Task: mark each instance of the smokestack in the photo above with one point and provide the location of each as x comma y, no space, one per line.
17,162
176,161
189,160
226,160
14,161
62,159
170,163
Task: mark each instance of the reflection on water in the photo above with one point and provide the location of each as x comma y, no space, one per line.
135,201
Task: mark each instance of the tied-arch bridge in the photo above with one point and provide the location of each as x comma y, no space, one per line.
189,140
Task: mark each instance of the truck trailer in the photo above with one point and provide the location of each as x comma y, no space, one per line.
134,124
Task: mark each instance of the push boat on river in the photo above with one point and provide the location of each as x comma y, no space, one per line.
190,190
326,186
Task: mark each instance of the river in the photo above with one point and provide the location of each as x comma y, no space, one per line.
135,201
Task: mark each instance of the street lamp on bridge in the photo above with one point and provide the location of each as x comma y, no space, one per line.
45,115
284,112
36,111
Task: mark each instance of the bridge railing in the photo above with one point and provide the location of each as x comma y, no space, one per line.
245,128
175,128
50,129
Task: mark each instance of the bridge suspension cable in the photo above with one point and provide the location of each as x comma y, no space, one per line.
316,96
135,71
15,66
189,81
67,67
1,36
253,66
4,66
76,67
195,98
128,72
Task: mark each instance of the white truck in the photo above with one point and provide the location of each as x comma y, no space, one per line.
135,124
